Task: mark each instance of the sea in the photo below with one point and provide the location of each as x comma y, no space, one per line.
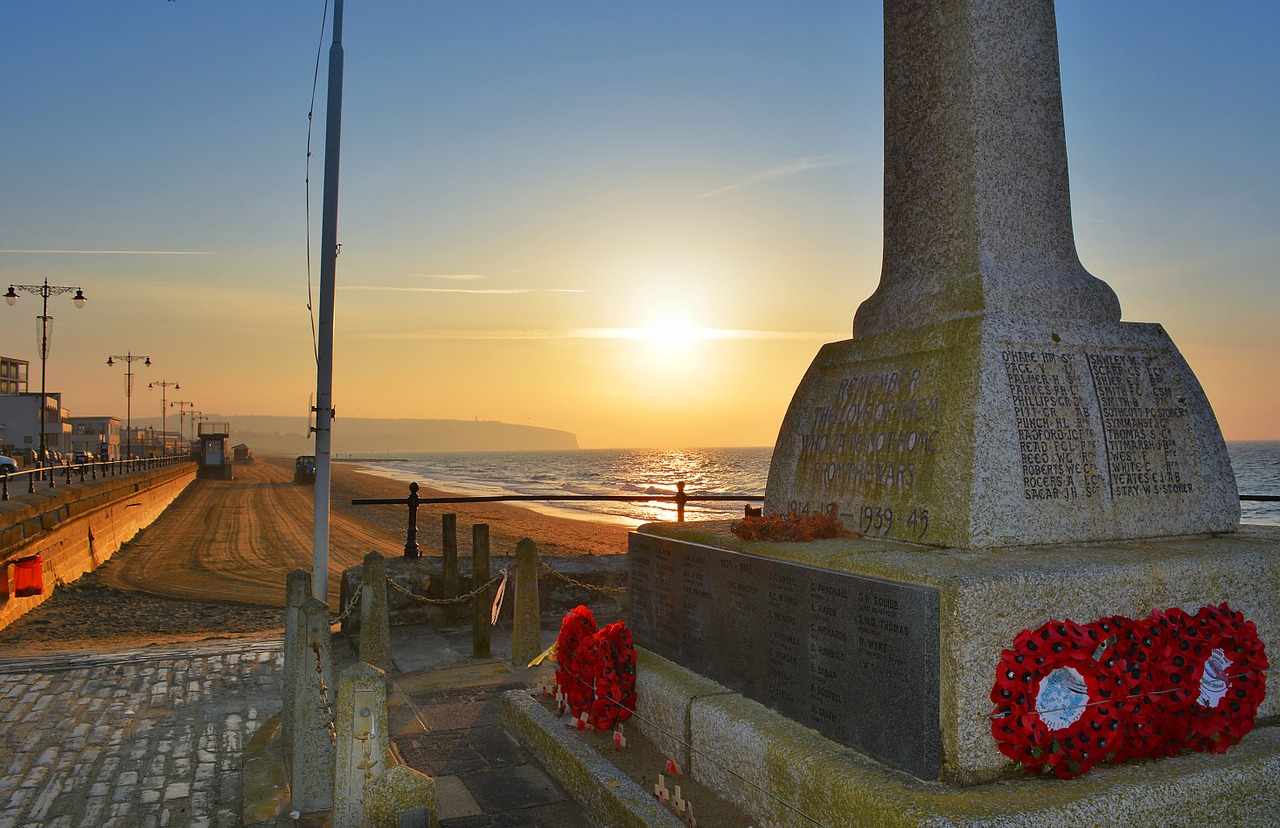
717,471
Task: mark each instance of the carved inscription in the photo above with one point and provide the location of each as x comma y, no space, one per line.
1056,438
872,439
840,653
1145,424
1093,423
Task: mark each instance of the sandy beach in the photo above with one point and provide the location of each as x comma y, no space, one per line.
214,565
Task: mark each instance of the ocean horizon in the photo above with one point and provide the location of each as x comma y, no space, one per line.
718,471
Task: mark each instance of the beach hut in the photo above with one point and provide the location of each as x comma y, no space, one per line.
240,453
215,462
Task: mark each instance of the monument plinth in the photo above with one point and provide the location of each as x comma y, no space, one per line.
1010,452
991,396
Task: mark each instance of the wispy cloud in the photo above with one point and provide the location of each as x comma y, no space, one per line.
121,252
479,291
608,333
799,165
456,277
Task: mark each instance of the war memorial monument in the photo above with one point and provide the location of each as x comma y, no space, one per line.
1010,452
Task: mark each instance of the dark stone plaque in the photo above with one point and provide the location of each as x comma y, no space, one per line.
854,658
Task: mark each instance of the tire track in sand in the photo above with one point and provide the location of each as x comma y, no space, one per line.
236,540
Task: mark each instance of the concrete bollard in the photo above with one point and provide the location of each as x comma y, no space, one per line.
297,589
363,744
482,605
401,798
375,625
311,779
449,545
526,632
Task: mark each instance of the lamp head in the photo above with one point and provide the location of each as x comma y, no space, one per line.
176,386
151,385
12,296
110,361
148,362
79,298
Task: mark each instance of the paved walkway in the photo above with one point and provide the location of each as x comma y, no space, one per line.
155,737
132,738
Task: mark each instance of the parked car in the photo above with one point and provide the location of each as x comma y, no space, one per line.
82,457
8,465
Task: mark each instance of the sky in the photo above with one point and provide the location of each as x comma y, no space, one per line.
636,222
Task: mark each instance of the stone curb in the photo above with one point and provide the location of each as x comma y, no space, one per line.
604,792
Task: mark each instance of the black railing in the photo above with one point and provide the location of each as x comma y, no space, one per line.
413,501
84,471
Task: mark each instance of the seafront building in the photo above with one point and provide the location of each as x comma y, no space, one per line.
99,436
13,375
20,416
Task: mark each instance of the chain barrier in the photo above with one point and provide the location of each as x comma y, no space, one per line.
461,599
351,605
582,584
325,705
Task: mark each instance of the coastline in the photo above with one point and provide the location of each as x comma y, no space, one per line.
183,580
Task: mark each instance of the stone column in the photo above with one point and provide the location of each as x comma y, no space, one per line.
991,396
375,625
311,777
526,632
363,745
297,590
977,209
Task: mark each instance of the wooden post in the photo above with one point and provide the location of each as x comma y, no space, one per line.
482,605
449,532
526,633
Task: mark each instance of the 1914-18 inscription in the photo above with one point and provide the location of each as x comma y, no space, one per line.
855,658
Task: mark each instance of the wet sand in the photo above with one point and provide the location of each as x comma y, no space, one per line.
214,564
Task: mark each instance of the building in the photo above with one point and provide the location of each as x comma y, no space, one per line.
13,375
20,418
99,436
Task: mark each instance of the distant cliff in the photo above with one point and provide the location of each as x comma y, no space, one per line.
367,436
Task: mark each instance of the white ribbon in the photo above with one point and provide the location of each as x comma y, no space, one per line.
497,600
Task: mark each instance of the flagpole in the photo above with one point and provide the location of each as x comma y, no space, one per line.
328,279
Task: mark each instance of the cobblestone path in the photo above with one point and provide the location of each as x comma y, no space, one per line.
134,737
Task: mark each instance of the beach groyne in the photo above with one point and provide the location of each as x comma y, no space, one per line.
78,529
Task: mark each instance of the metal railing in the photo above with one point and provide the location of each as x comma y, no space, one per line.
413,501
84,471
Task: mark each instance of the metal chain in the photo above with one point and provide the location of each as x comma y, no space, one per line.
351,604
461,599
582,585
326,707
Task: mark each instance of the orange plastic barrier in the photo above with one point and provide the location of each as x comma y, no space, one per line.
28,576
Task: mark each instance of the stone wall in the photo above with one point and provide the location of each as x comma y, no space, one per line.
76,531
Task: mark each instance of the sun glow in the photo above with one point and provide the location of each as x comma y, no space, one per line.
670,333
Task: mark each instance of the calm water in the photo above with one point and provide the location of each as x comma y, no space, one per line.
705,471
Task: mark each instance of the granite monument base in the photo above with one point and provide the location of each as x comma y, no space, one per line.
742,749
984,599
996,431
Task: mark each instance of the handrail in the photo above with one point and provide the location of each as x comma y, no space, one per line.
90,471
679,498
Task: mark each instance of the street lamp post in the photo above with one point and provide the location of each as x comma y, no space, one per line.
164,409
183,405
44,291
129,359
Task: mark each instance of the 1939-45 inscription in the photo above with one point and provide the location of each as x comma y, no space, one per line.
855,658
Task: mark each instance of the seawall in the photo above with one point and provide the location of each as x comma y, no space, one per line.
78,529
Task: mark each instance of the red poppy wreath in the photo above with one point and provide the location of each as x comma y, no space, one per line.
1068,696
1059,709
596,669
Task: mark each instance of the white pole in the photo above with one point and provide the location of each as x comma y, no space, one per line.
328,279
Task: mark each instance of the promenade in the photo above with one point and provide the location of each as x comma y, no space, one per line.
128,724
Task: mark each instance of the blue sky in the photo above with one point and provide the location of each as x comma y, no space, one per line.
635,222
